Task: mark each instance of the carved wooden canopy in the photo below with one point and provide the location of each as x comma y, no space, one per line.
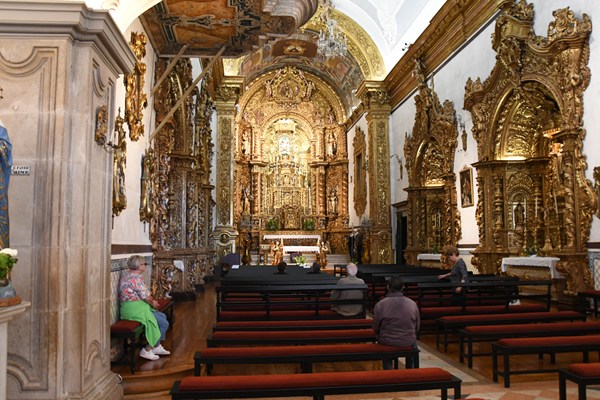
433,218
527,120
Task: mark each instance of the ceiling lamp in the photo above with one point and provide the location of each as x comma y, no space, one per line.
331,43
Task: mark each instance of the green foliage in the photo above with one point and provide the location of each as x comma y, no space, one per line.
8,258
309,224
272,225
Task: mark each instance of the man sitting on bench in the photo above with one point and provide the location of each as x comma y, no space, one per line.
396,320
348,310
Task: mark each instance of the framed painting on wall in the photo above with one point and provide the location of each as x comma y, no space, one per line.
466,187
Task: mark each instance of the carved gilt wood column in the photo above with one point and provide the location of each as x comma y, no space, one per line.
376,100
225,232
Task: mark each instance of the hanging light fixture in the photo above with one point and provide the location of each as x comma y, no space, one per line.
331,43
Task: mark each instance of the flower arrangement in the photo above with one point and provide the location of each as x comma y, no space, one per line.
300,260
8,258
309,224
272,225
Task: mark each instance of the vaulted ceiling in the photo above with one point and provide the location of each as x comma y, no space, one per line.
262,35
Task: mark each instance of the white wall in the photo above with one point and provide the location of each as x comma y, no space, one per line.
127,227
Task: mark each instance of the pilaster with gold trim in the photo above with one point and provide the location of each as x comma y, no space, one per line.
377,103
225,234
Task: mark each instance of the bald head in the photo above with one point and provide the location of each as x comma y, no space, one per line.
351,269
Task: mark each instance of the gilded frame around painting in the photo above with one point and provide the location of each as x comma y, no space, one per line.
466,187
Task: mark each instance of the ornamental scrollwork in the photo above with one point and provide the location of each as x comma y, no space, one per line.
119,198
135,98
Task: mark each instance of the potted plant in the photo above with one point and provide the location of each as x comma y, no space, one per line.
8,258
300,260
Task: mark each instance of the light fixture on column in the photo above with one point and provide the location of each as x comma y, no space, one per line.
331,43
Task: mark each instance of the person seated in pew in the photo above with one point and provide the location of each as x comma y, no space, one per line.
396,320
348,310
281,267
138,305
315,268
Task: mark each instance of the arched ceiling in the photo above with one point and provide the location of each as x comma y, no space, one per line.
262,35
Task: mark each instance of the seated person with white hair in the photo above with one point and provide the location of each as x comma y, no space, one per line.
348,310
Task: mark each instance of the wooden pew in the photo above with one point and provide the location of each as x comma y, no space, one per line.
583,374
308,297
539,345
451,324
304,355
352,323
246,338
317,385
472,334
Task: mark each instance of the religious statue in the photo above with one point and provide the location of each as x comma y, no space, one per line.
277,251
119,198
246,202
333,202
6,163
331,144
322,257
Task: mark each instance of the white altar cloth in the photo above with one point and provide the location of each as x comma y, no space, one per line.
300,249
548,262
290,236
429,257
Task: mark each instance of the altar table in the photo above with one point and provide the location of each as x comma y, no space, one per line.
430,260
534,267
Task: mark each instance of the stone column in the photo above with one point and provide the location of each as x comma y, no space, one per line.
54,84
225,233
376,100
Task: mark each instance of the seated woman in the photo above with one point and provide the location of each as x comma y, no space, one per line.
138,305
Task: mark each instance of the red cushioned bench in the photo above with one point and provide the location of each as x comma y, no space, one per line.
451,324
356,323
429,314
539,345
472,334
130,333
316,385
305,355
245,338
289,315
583,374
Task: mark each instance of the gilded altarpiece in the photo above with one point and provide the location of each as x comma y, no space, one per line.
433,217
533,196
291,162
182,214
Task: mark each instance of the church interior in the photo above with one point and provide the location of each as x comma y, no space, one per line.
199,132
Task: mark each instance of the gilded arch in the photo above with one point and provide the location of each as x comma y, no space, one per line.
527,116
429,154
291,152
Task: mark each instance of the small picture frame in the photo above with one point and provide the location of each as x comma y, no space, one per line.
466,187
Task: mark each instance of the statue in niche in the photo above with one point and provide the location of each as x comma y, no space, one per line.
331,144
246,129
519,221
246,202
332,202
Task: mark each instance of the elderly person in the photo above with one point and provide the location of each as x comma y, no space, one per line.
348,310
396,320
458,273
138,305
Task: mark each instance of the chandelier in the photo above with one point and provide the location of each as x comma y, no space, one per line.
331,43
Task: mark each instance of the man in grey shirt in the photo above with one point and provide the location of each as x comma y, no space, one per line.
348,310
396,320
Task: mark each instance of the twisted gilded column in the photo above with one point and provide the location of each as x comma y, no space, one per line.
225,233
377,103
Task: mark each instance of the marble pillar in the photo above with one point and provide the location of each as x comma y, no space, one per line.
59,64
